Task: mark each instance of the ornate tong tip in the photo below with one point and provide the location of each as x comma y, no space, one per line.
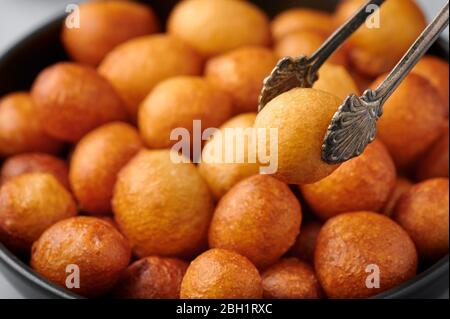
352,128
289,73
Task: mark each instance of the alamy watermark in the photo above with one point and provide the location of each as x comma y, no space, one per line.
73,19
73,276
230,145
373,279
374,20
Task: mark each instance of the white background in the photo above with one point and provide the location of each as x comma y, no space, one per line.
19,17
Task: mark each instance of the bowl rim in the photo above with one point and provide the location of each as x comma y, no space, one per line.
431,274
421,280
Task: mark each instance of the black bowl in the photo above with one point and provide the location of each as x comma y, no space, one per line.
20,65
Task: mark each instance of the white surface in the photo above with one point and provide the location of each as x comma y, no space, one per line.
7,291
19,17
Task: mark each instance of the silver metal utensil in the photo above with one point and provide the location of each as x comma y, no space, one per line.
301,71
353,126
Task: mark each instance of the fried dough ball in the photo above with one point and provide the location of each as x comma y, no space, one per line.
221,274
29,204
72,99
374,50
221,175
259,218
103,26
215,27
305,244
435,161
354,250
402,185
110,220
293,20
362,183
96,161
301,118
336,80
176,103
152,278
423,212
136,66
20,130
412,120
163,208
306,42
240,73
436,71
35,163
290,278
91,246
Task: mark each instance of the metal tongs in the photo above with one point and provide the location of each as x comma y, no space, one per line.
353,126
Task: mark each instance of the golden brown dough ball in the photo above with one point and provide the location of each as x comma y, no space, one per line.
301,118
290,278
354,250
110,220
412,120
103,26
221,175
72,99
241,73
214,27
402,185
176,103
423,212
362,183
435,161
374,50
20,130
298,19
305,244
163,208
87,246
35,163
259,218
136,66
96,161
221,274
306,42
436,71
335,79
152,278
29,204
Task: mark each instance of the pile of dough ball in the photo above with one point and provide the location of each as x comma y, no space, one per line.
91,175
